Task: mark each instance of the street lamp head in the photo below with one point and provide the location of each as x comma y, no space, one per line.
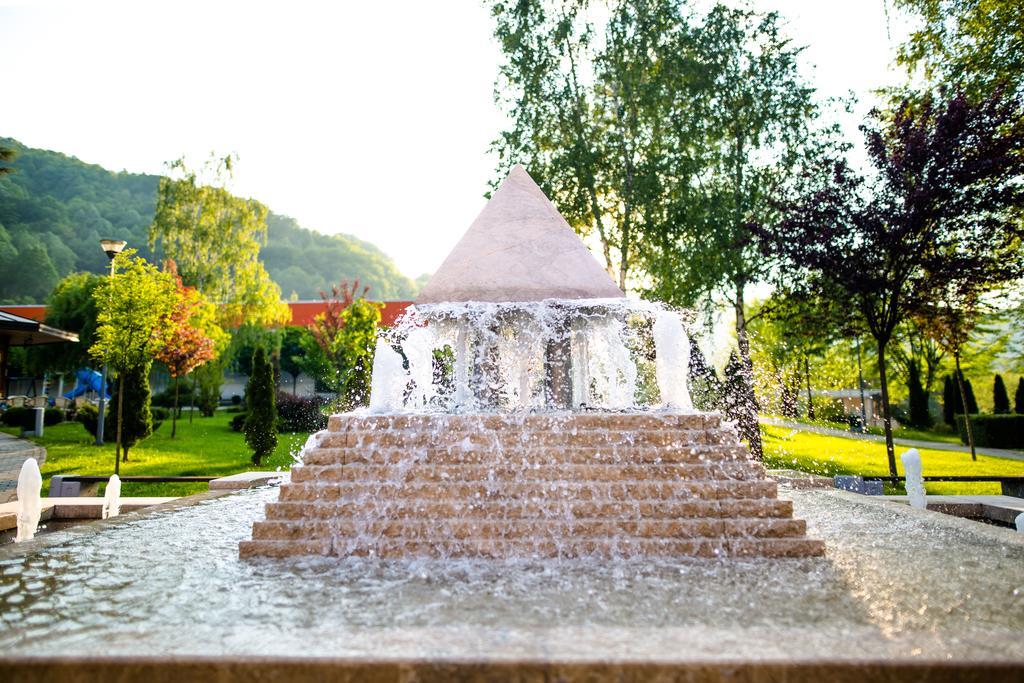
112,247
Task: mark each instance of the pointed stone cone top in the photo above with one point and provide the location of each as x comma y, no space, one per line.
519,249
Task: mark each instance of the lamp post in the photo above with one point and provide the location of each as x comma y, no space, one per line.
112,249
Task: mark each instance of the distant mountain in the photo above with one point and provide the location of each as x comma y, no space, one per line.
54,209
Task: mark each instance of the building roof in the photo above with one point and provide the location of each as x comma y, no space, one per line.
519,249
21,331
303,312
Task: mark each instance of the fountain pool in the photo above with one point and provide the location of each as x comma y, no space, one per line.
169,584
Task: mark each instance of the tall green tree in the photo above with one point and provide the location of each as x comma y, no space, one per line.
215,239
1000,399
134,308
1018,397
920,416
972,45
261,400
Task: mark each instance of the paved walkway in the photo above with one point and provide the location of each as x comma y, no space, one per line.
912,443
13,453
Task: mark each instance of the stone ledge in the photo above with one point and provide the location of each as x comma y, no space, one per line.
337,670
244,480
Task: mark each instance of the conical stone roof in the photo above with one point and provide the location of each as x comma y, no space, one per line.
519,249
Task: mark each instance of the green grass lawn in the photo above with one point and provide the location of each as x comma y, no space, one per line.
785,448
942,435
206,447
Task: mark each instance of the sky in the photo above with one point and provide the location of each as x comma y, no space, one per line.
366,118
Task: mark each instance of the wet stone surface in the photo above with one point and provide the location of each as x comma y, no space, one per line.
895,583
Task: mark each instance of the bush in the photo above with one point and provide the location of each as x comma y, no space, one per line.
165,399
994,431
238,422
25,418
832,411
89,416
300,414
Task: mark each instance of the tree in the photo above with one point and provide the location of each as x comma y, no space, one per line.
6,157
215,238
70,306
920,416
194,337
134,309
938,217
135,419
1018,397
976,45
1000,399
294,344
347,333
260,397
950,401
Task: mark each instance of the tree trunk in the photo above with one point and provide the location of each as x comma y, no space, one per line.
174,414
120,414
890,449
807,375
749,426
967,411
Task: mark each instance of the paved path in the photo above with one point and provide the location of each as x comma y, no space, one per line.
13,453
912,443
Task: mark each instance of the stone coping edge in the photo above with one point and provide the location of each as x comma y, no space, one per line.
69,535
171,669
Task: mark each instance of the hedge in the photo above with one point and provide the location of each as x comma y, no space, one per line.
994,431
25,418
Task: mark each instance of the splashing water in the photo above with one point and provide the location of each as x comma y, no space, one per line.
915,481
606,354
112,498
30,505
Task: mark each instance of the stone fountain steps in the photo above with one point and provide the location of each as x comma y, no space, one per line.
500,549
538,528
530,456
502,474
503,509
527,491
545,485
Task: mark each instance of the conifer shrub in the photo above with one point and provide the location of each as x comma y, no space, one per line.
261,420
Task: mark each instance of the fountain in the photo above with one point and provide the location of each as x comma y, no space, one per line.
523,407
112,498
30,505
914,479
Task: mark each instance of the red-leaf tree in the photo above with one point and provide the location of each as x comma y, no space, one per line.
195,337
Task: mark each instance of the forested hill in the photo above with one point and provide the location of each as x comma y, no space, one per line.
54,209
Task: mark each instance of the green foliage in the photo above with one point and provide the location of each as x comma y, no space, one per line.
295,341
346,332
209,377
89,416
1000,399
136,418
1018,397
261,420
973,44
70,306
950,401
918,413
65,207
134,307
994,431
25,418
215,239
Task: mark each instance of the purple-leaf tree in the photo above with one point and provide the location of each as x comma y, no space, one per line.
940,213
